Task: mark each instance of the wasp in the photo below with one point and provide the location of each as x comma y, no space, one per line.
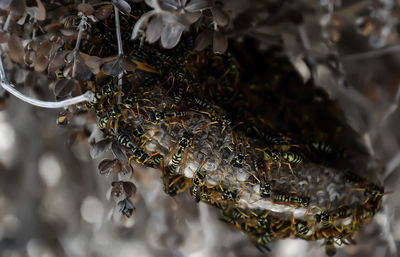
228,194
177,185
263,238
276,140
330,234
340,213
225,122
200,103
287,158
167,59
183,143
103,122
354,179
178,95
59,74
239,159
210,200
237,214
321,146
229,220
125,141
330,248
324,218
373,191
112,114
176,114
265,190
327,218
140,156
292,158
264,222
370,190
114,111
96,99
301,229
139,131
198,181
367,210
157,159
108,89
131,101
291,199
156,116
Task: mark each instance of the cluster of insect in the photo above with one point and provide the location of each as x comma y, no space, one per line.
184,113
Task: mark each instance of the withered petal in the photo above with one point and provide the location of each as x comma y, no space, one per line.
220,43
203,40
16,49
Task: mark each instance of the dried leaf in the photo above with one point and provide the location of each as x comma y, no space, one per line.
3,37
126,207
44,47
54,27
58,61
126,169
188,18
220,43
112,68
16,49
4,3
104,12
171,34
154,28
199,5
117,189
18,7
64,87
41,11
117,168
64,118
118,153
41,63
105,166
93,62
100,147
203,40
123,6
129,188
82,71
68,32
127,64
220,15
87,9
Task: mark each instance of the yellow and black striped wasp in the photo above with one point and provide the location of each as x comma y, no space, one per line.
290,199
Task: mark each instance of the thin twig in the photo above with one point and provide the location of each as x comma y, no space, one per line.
118,30
120,50
77,44
87,96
